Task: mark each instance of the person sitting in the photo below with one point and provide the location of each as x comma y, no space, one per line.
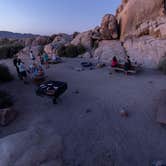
114,62
127,65
36,71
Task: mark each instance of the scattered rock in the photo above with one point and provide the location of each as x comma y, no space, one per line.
76,92
7,115
88,110
124,113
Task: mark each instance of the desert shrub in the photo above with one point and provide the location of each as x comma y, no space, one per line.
71,50
81,49
7,51
5,100
5,74
61,50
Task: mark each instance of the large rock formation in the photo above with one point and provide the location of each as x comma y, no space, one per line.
107,49
109,27
84,39
143,30
58,41
140,17
146,50
34,147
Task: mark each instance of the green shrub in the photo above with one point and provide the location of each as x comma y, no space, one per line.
71,50
5,100
7,51
5,74
81,49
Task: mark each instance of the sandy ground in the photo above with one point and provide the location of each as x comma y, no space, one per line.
94,132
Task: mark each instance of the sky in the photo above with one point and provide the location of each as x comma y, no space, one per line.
48,17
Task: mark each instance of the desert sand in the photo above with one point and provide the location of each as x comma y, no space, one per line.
93,131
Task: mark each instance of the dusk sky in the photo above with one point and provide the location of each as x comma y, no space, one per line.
53,16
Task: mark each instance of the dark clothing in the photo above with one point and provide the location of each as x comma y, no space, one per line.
127,65
23,74
15,61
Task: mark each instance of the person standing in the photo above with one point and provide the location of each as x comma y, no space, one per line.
45,59
15,61
22,71
32,56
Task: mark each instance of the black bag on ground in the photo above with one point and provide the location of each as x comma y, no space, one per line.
52,88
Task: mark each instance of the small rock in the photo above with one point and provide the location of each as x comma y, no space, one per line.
76,92
150,82
124,113
88,110
7,115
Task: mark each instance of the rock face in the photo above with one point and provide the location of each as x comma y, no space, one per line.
107,49
41,40
143,30
109,27
84,39
146,50
140,17
58,41
34,147
35,49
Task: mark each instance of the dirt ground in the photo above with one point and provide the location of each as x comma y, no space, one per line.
89,121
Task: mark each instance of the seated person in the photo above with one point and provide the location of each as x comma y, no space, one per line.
114,62
36,70
127,65
55,58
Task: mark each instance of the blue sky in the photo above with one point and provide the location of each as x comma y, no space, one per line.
53,16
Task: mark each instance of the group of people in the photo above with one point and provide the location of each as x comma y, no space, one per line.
126,66
35,68
44,58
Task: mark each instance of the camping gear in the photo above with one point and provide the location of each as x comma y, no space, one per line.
133,69
52,88
86,64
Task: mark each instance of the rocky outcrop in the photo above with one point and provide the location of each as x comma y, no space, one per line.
34,147
84,39
146,50
107,49
58,41
41,40
109,27
35,49
140,17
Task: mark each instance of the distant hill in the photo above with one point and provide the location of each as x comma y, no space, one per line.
6,34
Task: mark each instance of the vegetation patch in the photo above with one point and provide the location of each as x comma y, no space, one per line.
5,74
71,50
5,100
9,50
